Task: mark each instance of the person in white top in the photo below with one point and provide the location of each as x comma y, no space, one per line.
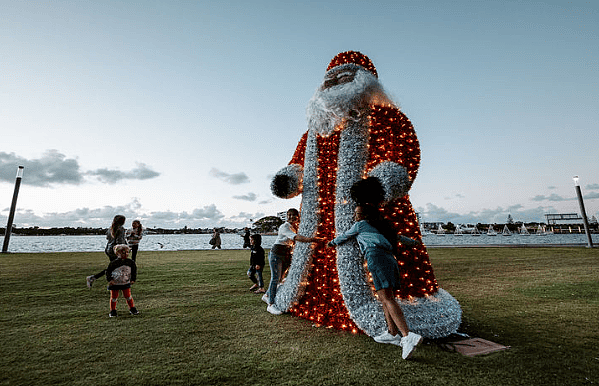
279,256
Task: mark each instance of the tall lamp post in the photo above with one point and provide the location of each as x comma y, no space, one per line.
13,206
583,212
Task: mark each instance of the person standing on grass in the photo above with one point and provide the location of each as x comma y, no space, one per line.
279,257
256,264
376,239
121,273
115,236
246,238
215,240
134,236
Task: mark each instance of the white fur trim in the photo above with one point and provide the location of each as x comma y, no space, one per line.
394,179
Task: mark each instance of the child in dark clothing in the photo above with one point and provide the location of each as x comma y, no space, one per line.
256,264
121,273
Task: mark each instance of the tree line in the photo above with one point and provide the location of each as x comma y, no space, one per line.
267,224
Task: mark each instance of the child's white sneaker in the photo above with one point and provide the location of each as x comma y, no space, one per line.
409,343
386,337
273,310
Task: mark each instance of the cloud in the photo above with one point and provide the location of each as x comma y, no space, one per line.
208,212
551,197
456,195
556,198
55,168
141,172
247,197
81,217
591,196
206,217
233,179
52,168
433,213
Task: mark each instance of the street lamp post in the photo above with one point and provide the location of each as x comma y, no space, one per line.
13,206
583,213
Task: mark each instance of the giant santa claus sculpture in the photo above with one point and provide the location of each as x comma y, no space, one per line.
355,131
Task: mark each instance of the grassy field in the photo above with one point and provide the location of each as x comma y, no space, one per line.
200,326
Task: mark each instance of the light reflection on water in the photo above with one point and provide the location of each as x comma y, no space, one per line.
233,241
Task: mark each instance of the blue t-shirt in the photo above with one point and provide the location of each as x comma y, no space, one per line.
366,235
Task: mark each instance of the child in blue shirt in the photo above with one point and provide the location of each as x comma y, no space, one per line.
377,242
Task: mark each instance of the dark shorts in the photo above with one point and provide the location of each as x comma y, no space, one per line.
383,267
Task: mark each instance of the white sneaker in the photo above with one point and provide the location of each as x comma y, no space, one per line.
409,343
265,298
90,280
386,337
273,310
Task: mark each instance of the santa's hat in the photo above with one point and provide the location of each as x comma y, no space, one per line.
354,57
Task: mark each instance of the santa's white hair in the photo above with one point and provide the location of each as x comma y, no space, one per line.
329,107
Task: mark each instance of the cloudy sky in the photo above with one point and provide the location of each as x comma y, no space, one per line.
179,112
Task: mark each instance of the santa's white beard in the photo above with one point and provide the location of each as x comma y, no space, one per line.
331,107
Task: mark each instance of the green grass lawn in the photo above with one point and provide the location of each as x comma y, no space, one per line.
200,326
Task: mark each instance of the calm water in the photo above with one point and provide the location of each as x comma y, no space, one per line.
232,241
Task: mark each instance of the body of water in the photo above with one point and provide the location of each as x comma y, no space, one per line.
233,241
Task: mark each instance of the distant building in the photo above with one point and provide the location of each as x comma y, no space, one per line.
553,218
567,223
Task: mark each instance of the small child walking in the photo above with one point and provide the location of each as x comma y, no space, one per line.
121,273
256,264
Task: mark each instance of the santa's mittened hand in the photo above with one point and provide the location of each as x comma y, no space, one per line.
281,185
287,183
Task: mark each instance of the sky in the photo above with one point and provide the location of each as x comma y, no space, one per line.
179,113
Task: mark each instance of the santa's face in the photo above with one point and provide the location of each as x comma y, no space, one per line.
339,76
345,91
